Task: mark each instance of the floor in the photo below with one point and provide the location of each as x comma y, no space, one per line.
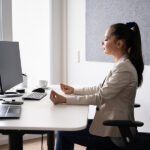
35,144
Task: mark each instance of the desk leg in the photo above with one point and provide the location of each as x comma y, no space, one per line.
15,141
50,140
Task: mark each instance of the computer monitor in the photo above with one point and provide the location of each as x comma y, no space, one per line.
10,65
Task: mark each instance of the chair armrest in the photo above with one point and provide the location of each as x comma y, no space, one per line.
123,123
124,128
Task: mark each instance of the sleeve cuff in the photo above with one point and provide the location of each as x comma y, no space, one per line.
70,100
77,91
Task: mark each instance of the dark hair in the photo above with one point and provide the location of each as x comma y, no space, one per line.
130,33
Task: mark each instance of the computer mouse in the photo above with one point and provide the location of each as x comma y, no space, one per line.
40,90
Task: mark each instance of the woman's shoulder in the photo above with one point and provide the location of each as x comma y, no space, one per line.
125,65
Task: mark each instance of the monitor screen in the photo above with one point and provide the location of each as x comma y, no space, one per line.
10,65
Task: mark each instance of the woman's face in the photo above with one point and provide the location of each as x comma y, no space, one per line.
109,43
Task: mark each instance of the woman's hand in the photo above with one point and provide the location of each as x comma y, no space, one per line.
66,89
57,98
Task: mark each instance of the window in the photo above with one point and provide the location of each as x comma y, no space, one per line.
30,21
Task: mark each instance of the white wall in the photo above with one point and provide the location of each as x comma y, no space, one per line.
83,72
93,73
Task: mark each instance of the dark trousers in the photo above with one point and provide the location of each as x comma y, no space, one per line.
67,139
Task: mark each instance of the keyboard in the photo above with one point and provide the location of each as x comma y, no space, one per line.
35,96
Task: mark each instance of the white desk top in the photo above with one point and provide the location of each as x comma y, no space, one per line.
43,115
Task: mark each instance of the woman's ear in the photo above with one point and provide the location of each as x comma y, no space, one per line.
120,44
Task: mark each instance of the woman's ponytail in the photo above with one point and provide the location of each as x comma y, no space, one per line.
135,53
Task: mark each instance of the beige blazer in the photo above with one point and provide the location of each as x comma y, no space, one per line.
115,98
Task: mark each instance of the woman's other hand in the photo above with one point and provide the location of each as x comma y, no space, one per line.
66,89
57,98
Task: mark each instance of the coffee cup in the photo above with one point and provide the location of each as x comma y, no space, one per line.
43,83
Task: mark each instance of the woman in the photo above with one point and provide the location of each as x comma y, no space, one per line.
114,98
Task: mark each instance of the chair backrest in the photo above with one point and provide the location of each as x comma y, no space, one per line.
124,128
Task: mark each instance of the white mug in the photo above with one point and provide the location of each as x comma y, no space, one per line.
43,83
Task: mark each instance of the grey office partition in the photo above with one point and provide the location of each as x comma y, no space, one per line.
100,14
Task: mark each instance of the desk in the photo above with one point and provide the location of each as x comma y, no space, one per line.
42,116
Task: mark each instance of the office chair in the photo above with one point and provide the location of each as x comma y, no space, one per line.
139,142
